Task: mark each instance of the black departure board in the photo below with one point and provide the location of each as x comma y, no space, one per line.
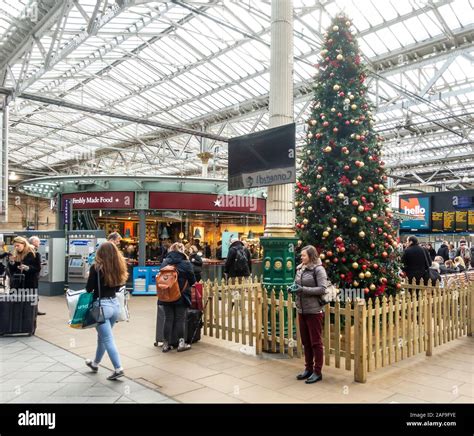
461,220
449,222
437,221
470,221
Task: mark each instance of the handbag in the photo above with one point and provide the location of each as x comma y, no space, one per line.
330,294
17,281
122,297
95,314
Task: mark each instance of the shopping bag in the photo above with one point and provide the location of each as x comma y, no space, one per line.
72,298
83,304
122,297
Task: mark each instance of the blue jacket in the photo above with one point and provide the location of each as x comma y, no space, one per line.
185,272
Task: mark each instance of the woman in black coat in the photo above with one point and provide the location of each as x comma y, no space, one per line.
196,259
23,266
175,312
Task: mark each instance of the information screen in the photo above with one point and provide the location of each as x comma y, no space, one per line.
470,221
449,224
461,220
418,212
437,221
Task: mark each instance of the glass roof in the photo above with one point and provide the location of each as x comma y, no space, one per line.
205,65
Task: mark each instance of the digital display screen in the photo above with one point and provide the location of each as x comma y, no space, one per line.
437,221
461,221
449,222
418,213
470,221
75,263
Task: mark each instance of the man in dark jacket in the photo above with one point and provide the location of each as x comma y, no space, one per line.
416,261
175,312
443,251
239,260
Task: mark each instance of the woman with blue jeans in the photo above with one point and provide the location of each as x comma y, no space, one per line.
107,274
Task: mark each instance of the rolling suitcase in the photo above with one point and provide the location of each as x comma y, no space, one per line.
193,326
18,318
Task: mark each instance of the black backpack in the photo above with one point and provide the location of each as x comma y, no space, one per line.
241,261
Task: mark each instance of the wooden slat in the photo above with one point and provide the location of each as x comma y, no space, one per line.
378,354
273,321
347,327
237,304
327,334
455,314
229,316
258,320
409,326
404,329
211,311
289,312
421,321
416,327
205,316
242,320
439,319
384,331
398,343
281,323
391,357
429,323
217,319
224,292
445,317
337,334
250,309
265,318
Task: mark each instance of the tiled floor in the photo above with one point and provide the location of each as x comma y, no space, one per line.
35,371
217,371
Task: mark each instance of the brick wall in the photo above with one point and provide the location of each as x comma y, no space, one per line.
24,210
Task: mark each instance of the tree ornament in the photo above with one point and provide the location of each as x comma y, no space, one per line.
310,208
339,57
353,220
336,87
325,234
361,208
309,195
327,149
355,203
362,234
361,275
341,196
355,283
335,28
323,190
347,101
355,182
354,107
372,287
335,130
370,189
368,274
355,265
326,123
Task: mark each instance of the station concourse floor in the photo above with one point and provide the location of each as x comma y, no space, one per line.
218,371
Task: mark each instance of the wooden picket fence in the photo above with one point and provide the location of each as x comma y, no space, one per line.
360,335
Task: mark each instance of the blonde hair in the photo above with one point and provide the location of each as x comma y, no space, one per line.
110,261
459,261
19,257
178,246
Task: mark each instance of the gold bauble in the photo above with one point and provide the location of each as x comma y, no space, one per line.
353,220
355,265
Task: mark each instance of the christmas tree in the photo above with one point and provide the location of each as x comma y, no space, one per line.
342,204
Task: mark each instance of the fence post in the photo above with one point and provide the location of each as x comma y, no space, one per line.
429,319
360,342
470,327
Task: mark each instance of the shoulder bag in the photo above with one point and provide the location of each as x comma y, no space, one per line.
95,314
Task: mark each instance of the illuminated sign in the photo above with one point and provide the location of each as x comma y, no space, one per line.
418,213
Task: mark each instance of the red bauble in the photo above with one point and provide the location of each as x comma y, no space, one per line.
343,260
376,186
369,219
386,192
347,123
366,149
339,240
364,267
328,197
362,137
339,114
366,290
344,149
334,220
326,123
372,245
329,253
342,250
398,285
384,254
370,189
355,203
346,167
318,135
331,200
359,178
335,260
375,266
320,168
335,130
342,276
341,94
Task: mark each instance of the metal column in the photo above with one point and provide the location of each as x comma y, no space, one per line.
279,238
141,238
4,162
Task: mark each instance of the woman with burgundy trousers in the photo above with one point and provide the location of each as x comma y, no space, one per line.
311,282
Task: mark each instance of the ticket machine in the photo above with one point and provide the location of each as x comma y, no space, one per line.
80,245
52,250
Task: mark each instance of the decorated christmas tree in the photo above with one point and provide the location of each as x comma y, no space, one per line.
342,203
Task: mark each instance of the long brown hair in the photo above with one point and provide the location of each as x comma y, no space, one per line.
178,246
111,263
19,257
